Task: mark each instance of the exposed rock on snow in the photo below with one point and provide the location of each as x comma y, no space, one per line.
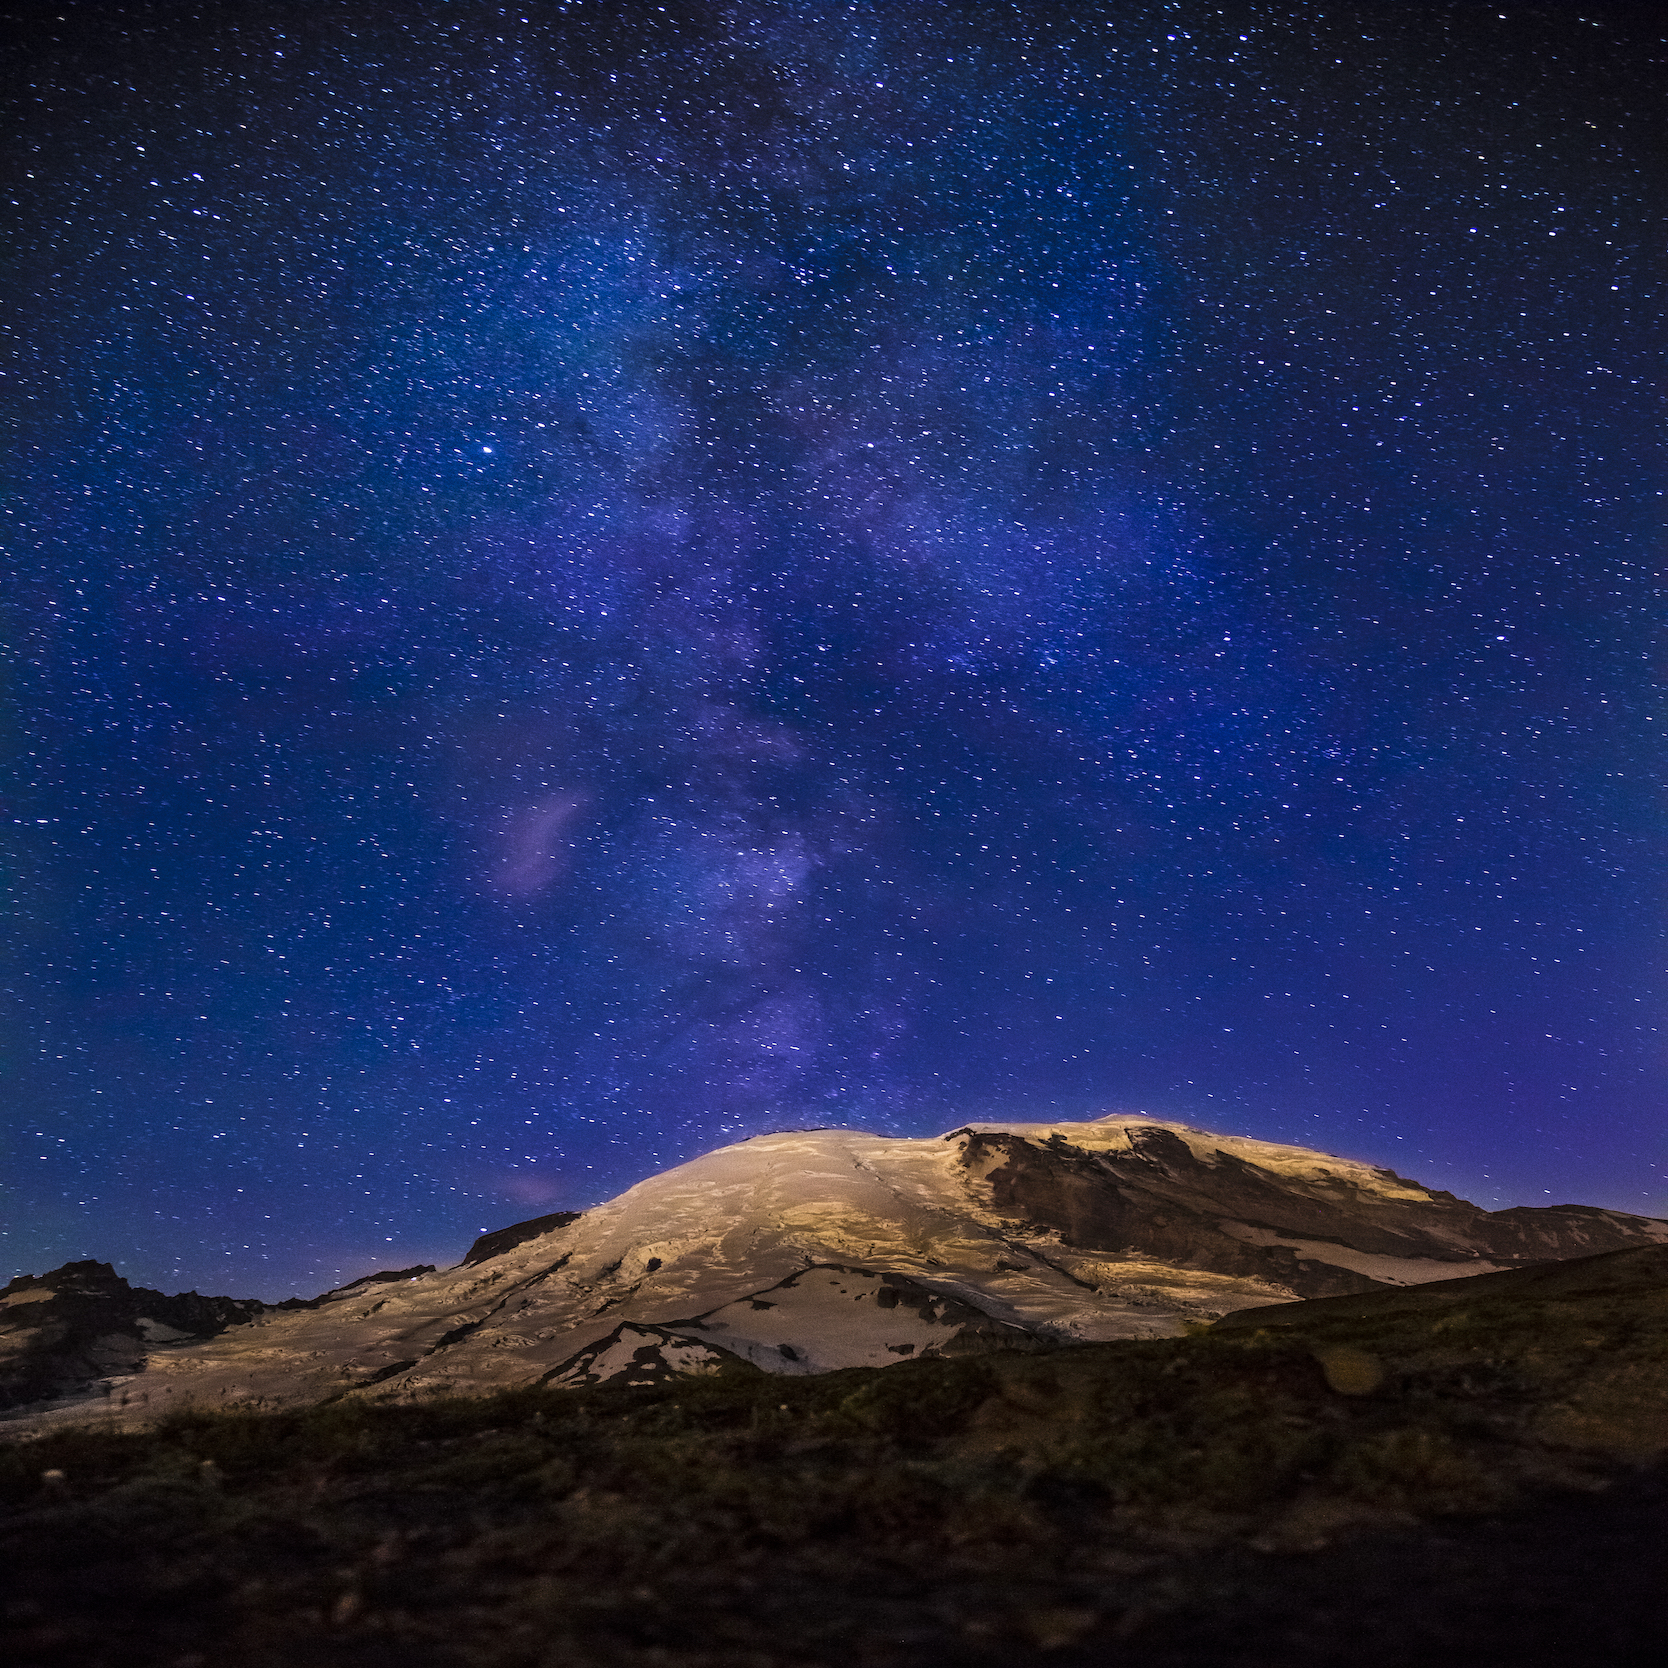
814,1322
83,1325
1313,1224
497,1243
1641,1268
804,1252
828,1318
84,1322
642,1354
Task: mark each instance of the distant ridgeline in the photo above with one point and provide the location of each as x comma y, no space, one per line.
799,1253
84,1322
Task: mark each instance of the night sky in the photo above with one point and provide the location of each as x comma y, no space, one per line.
590,580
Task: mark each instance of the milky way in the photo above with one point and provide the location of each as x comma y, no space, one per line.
593,580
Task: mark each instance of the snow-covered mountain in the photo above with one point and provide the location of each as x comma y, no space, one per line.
808,1251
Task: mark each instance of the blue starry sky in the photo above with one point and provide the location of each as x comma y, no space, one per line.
590,580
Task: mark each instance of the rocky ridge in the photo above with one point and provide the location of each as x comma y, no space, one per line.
83,1324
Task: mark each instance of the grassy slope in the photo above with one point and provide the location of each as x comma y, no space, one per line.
1476,1484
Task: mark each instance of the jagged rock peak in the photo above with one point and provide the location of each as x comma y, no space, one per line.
83,1322
501,1240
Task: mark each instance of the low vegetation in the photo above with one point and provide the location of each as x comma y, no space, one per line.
1198,1500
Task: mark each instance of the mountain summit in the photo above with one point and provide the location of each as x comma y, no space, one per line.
809,1251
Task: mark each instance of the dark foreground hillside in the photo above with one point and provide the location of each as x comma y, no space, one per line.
1391,1480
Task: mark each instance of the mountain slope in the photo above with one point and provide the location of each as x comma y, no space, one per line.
820,1249
1396,1477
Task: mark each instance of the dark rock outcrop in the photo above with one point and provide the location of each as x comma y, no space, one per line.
642,1352
355,1288
84,1321
68,1328
1639,1270
501,1240
1157,1198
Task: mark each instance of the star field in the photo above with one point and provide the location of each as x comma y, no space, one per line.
591,580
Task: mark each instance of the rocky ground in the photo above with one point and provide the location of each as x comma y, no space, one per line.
1401,1477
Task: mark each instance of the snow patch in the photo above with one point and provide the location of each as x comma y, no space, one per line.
828,1318
632,1355
1393,1271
